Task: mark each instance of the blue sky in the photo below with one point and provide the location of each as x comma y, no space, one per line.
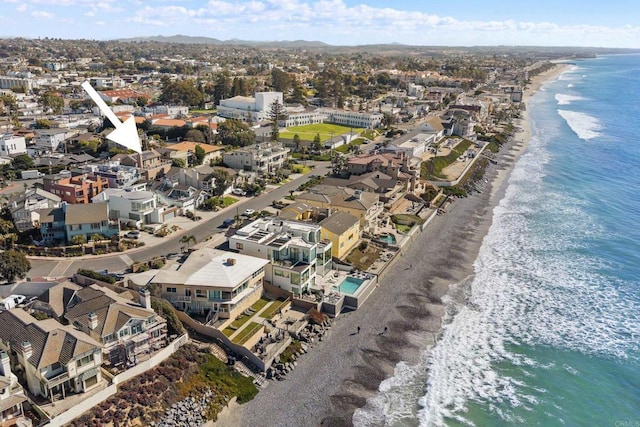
615,23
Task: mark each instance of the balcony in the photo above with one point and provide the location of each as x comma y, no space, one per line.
56,380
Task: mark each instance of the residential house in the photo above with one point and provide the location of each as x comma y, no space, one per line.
12,395
363,205
118,176
263,158
79,189
63,223
292,247
11,145
54,301
150,163
120,95
56,360
214,283
184,197
52,140
24,207
372,182
203,177
186,149
343,231
125,329
133,206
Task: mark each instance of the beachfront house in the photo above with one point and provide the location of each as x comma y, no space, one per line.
213,283
292,248
343,231
55,360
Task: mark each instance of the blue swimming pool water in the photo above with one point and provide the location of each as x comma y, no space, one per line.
388,238
350,285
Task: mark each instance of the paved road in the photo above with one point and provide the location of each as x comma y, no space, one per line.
121,261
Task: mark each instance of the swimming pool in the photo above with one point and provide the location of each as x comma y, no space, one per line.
350,285
388,238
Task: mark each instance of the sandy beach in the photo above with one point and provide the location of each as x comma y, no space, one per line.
341,372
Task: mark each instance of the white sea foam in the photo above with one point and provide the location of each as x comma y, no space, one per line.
570,85
531,287
564,99
584,125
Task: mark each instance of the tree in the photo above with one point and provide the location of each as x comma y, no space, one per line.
179,163
13,264
234,132
49,100
22,162
276,114
79,239
43,124
338,164
280,80
187,239
296,142
221,181
198,155
182,92
317,142
195,135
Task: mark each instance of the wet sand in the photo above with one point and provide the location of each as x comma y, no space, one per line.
341,372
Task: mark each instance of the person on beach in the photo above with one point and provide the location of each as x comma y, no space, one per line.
358,329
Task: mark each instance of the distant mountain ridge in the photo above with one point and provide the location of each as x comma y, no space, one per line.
182,39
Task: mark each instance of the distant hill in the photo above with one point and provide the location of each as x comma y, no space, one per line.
180,39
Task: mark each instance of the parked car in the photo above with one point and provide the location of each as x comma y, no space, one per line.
133,234
239,192
228,222
248,212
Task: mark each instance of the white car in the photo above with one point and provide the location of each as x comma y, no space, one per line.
239,192
134,234
248,212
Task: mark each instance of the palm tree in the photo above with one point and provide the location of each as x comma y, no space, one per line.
188,239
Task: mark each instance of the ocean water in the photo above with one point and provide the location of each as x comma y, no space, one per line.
548,330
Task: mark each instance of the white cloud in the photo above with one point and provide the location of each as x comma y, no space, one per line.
42,14
90,13
22,8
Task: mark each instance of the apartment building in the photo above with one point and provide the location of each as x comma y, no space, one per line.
79,189
249,109
263,158
11,145
352,118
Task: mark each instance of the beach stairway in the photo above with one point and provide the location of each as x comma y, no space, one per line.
258,379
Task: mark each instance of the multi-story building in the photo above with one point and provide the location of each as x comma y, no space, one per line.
24,207
343,231
11,145
118,176
79,189
125,329
363,205
132,206
11,393
352,118
303,118
263,158
249,109
52,140
291,246
55,360
214,283
63,223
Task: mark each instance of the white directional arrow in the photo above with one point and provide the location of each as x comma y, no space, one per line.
126,133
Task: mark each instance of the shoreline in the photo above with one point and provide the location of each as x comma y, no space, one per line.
340,373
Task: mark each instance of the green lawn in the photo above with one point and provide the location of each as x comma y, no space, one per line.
326,131
300,169
198,111
272,309
247,333
258,305
228,201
